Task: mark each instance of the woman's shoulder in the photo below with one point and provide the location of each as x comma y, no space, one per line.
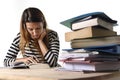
17,38
52,34
51,31
18,34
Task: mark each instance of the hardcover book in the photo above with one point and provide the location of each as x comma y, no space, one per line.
92,66
88,32
102,15
92,22
96,41
111,49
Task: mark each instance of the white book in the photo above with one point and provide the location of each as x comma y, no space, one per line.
92,22
94,66
66,55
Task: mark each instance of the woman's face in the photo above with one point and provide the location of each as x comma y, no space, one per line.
35,29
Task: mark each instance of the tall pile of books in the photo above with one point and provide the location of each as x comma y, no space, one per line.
91,33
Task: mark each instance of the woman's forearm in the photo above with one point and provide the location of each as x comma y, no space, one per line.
43,47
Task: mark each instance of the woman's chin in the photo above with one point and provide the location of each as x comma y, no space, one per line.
35,38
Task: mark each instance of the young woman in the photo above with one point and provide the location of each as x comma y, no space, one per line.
35,42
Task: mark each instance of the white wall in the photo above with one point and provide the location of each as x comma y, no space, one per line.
55,11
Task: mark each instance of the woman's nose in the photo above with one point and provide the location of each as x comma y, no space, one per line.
34,32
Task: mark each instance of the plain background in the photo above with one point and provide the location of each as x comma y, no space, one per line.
55,11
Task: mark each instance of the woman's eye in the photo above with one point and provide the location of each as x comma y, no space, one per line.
38,28
30,29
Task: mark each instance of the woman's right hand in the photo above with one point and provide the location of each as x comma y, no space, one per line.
28,60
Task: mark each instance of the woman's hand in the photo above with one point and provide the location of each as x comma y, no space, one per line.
42,35
28,60
41,43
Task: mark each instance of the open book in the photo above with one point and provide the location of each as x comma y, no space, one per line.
22,65
19,65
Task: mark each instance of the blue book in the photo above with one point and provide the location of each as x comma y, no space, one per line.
87,16
112,49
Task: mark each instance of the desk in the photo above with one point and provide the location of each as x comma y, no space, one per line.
53,74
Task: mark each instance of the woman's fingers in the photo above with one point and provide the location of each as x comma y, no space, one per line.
36,59
42,34
31,60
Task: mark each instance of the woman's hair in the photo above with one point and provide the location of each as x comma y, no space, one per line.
29,15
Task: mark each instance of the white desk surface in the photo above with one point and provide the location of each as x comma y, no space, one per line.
46,73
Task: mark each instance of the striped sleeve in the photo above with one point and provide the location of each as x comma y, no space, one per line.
12,51
51,56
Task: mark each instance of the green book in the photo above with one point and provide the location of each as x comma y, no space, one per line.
102,15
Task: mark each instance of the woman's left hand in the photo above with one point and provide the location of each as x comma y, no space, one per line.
42,35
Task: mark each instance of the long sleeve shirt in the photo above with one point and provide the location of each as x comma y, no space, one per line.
50,57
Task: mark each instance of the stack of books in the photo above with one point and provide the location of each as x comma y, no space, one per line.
78,60
92,32
91,29
96,24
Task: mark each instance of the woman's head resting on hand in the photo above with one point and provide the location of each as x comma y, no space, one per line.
32,23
